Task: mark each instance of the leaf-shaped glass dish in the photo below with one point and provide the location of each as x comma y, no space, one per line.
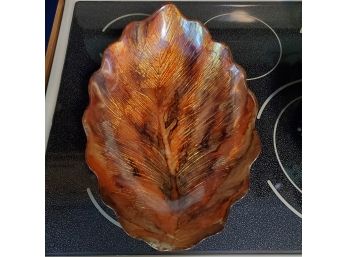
170,130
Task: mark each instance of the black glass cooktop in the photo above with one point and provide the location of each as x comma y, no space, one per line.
265,38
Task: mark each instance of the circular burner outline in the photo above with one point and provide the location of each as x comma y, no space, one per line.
276,35
100,209
122,17
281,198
275,143
275,93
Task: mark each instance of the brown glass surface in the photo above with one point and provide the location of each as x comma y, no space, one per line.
170,130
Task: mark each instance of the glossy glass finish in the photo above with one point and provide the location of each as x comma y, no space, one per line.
170,130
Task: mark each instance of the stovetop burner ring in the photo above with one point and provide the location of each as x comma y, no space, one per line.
281,198
122,17
251,18
275,143
100,209
269,98
261,110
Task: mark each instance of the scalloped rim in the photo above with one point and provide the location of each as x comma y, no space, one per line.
255,141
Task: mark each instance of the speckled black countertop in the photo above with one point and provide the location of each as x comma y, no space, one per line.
267,43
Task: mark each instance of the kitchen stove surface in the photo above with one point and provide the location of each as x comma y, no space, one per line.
265,40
